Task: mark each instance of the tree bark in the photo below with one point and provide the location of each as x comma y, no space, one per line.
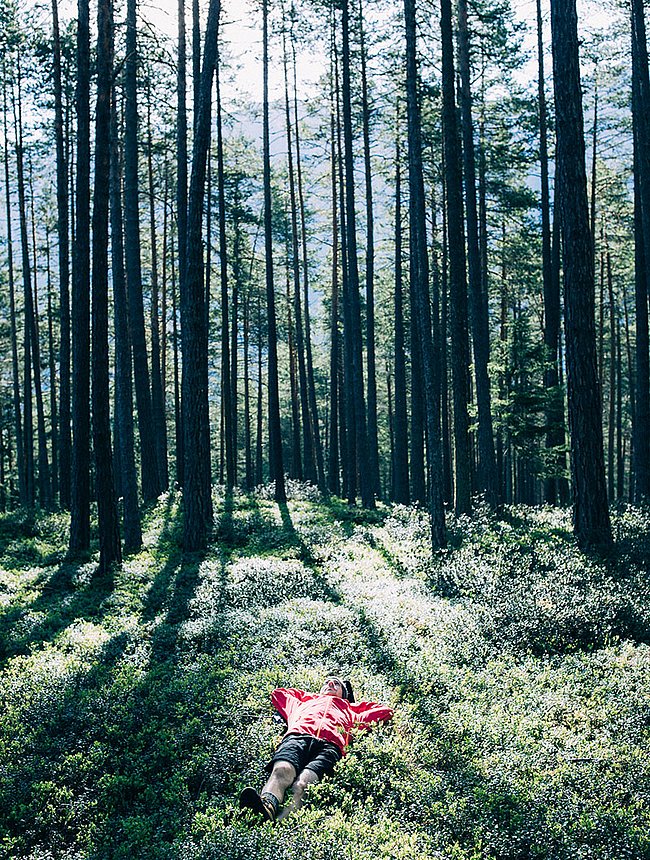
80,498
65,438
275,433
197,498
110,551
590,512
487,477
420,273
457,268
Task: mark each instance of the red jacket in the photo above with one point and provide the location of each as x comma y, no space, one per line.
326,717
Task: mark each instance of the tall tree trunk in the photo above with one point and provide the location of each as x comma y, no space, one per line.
197,498
590,512
80,498
275,432
151,485
181,201
457,270
28,311
247,400
354,333
640,107
54,410
157,400
109,531
400,482
373,445
178,423
554,398
310,471
65,439
313,405
44,482
420,272
333,460
487,478
226,395
123,358
15,369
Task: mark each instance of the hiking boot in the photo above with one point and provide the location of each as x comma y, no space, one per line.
262,806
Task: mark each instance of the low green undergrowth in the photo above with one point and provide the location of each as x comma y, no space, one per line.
134,707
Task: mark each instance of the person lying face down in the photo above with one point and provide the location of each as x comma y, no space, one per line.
319,727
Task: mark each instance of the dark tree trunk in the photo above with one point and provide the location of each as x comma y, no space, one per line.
313,406
157,400
640,107
334,477
373,445
51,355
109,532
80,499
18,422
65,439
354,332
197,499
123,358
400,482
487,477
181,204
457,270
275,432
420,275
151,485
551,284
310,471
591,515
178,424
226,395
247,401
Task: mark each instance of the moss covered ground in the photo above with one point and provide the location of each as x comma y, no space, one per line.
134,707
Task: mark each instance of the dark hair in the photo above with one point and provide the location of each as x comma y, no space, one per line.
347,689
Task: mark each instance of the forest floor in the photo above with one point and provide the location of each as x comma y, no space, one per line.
133,708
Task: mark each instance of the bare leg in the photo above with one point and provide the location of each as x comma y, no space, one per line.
282,775
307,777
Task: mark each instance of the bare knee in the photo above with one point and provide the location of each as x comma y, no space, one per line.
305,779
284,772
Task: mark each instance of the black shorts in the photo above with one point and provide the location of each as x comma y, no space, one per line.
306,752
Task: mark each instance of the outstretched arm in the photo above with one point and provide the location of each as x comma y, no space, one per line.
367,713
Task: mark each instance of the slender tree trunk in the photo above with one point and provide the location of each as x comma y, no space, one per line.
313,405
65,439
157,400
226,395
54,411
296,455
310,471
591,515
259,417
457,269
640,107
334,478
197,498
373,445
354,333
400,482
80,498
275,432
151,485
487,478
18,422
247,401
181,203
178,424
123,359
420,273
109,531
